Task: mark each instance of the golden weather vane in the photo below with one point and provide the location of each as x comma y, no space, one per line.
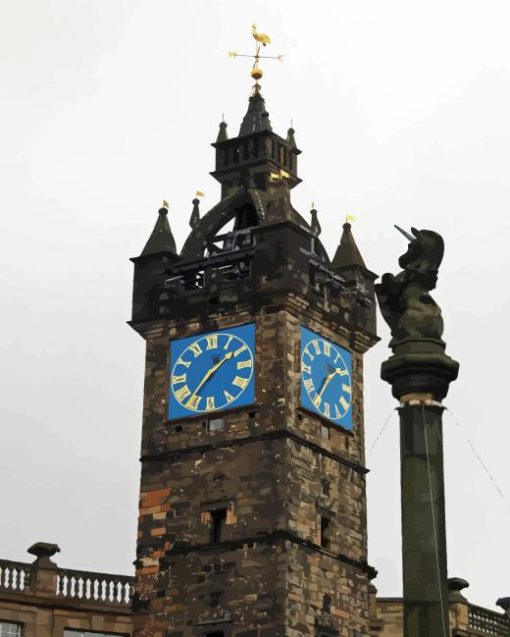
260,39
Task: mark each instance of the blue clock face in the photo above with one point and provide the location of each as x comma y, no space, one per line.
212,371
326,378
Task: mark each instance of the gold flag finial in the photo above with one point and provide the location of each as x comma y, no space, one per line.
199,193
165,204
349,218
261,39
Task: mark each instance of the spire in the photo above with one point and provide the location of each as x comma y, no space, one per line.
194,220
290,138
161,239
222,133
347,253
315,226
256,118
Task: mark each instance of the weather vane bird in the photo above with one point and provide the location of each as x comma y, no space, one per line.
260,39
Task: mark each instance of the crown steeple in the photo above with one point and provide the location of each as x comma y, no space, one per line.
257,157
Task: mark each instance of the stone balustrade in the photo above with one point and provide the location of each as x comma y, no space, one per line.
105,589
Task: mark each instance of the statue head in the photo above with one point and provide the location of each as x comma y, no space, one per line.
424,254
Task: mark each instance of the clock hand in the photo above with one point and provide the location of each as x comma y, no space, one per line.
212,371
329,377
326,382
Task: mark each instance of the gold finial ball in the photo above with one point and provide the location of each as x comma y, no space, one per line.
256,72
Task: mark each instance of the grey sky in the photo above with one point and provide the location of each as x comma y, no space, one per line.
401,109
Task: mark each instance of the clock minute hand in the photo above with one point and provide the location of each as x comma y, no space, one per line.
212,371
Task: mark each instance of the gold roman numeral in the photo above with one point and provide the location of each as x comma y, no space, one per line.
182,393
306,369
240,350
244,364
181,362
240,382
193,402
307,351
308,383
210,403
327,348
178,379
317,400
228,397
228,342
337,412
347,388
212,341
196,349
327,412
344,403
316,346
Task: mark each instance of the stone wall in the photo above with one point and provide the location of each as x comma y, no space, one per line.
276,470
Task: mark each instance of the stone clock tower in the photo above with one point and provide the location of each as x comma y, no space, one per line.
252,499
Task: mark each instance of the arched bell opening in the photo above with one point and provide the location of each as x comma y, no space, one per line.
235,234
225,228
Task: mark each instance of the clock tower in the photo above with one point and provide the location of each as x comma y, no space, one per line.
252,500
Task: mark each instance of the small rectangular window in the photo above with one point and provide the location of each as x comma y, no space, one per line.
325,487
216,424
325,431
9,629
325,532
218,518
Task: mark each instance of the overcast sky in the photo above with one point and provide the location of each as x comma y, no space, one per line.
402,110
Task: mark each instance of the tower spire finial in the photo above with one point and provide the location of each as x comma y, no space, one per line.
261,39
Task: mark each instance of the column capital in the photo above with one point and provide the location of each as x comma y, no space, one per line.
419,367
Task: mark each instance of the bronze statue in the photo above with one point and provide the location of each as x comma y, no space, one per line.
404,299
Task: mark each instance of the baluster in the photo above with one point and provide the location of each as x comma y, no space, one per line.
95,589
88,584
102,595
110,592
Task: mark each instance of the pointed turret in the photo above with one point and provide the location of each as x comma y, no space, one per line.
358,279
315,226
161,239
194,220
256,118
222,133
347,254
151,269
290,138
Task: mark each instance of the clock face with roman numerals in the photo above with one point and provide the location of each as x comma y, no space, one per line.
326,378
212,371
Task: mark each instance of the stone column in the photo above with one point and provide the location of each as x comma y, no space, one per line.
420,373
